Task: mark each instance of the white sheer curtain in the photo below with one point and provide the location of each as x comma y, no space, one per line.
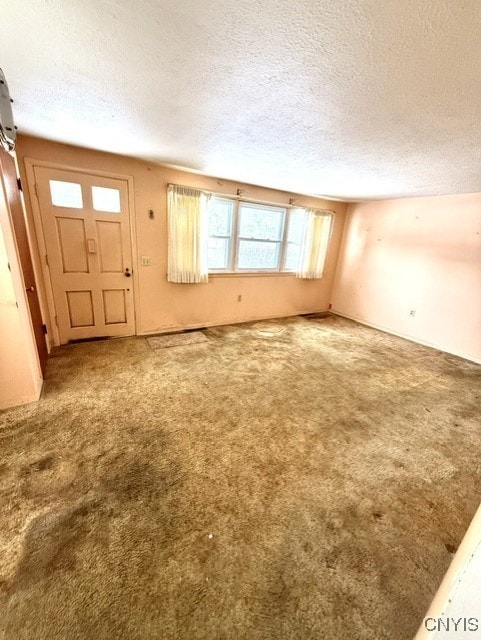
315,241
188,234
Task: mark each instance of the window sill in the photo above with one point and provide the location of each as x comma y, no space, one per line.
252,274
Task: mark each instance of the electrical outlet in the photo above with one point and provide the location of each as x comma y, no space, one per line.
145,261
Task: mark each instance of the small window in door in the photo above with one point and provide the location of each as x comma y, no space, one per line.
105,199
66,194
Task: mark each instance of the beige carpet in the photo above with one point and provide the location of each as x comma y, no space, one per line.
304,479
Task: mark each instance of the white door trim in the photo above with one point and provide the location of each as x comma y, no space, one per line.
30,164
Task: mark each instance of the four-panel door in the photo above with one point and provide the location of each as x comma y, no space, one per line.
86,226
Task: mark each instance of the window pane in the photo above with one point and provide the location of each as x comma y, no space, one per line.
296,225
66,194
218,253
106,199
294,239
258,255
262,222
220,217
293,254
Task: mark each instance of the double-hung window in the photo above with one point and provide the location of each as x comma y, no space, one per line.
260,232
250,237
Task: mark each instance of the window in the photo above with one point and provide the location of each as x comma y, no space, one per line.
66,194
246,236
105,199
221,214
260,234
295,233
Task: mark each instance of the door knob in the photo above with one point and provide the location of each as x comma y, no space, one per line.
30,289
127,272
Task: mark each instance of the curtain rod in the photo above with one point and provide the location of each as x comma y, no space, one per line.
218,194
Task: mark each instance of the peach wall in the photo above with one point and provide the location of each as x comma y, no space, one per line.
420,255
164,306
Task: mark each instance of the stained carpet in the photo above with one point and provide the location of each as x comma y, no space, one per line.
294,480
176,340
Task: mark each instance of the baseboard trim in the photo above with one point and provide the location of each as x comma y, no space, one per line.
204,325
406,336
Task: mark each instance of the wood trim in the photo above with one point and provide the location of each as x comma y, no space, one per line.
16,207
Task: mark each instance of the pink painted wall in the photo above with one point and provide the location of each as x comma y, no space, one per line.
162,305
420,255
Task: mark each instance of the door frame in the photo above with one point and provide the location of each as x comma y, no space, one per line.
25,249
30,164
7,230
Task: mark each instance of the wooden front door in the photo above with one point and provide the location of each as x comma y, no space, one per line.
86,225
9,173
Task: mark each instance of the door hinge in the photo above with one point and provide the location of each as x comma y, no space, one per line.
56,320
46,260
44,329
36,189
19,184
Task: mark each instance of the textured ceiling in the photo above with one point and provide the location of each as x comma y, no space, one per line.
348,98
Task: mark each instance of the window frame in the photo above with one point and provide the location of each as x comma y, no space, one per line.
292,209
238,239
229,238
235,238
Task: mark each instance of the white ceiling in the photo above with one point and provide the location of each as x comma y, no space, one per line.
348,98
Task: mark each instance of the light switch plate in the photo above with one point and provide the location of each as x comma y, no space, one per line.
145,261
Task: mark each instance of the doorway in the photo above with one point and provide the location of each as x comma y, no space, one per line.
8,171
86,227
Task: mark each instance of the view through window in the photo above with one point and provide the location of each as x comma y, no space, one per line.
251,237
